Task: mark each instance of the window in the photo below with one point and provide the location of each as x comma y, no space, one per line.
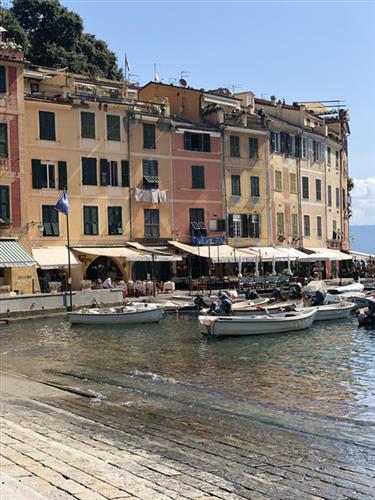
304,148
318,189
47,171
317,148
87,125
234,145
113,128
306,225
337,159
50,219
47,130
254,186
329,155
275,142
334,230
197,177
108,173
236,185
294,225
278,181
150,174
293,183
253,148
337,197
196,219
4,205
149,141
90,220
280,224
3,80
291,140
3,140
254,225
319,226
237,233
305,188
197,142
114,220
89,176
151,223
329,196
343,199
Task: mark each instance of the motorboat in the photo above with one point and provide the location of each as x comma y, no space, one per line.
276,308
218,326
135,313
339,310
171,306
353,287
366,315
361,299
246,304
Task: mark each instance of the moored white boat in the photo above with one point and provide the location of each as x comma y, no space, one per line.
136,313
218,326
246,304
327,312
278,307
353,287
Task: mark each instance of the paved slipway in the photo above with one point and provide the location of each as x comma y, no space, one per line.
62,443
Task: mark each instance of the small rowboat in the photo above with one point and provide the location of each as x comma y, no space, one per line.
247,304
137,313
326,312
259,310
218,326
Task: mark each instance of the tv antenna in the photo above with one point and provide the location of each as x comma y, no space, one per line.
234,86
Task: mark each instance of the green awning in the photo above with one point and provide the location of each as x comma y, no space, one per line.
13,255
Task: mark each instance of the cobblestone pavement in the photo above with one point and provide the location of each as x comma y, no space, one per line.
62,446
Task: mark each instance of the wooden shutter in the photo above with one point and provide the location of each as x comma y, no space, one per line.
125,174
297,146
4,205
3,82
63,175
3,140
36,170
104,172
47,130
206,143
230,225
148,136
197,175
245,225
284,142
221,224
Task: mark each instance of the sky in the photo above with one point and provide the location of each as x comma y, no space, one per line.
297,50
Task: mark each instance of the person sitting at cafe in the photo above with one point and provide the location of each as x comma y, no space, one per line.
107,283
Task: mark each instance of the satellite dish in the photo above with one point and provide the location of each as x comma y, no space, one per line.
183,82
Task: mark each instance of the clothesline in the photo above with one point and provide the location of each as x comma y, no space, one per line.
150,195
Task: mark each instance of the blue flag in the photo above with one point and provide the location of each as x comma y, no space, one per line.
63,205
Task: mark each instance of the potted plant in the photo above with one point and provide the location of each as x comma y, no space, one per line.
86,285
54,286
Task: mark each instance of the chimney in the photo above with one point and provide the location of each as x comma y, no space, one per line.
273,100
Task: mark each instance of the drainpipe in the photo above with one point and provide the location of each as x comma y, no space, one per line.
299,197
130,177
268,191
224,184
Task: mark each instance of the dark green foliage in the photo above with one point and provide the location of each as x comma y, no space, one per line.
53,36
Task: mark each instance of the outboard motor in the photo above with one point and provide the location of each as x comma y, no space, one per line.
201,303
251,295
276,296
223,305
317,299
295,291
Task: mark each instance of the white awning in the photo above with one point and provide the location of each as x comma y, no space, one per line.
361,255
324,254
268,254
54,257
292,253
217,253
129,254
159,255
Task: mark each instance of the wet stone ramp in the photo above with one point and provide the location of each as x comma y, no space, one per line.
73,446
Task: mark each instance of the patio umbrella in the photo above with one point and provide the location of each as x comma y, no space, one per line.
257,265
239,267
289,268
273,266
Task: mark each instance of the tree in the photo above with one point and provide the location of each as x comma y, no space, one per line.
53,36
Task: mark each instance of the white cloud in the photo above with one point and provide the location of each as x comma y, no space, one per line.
363,201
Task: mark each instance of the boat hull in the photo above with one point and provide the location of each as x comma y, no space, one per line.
117,318
332,312
255,325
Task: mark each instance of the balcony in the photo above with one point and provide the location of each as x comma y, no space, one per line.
11,50
208,240
335,244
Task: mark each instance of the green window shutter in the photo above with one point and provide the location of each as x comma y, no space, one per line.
234,145
206,143
284,142
149,136
47,131
187,141
89,175
50,219
236,185
197,175
125,173
63,175
104,172
87,125
36,170
113,128
230,225
245,225
253,148
3,81
3,140
4,205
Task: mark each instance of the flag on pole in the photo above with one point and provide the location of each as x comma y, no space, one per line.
127,67
62,204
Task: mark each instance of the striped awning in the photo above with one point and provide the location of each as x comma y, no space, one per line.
13,255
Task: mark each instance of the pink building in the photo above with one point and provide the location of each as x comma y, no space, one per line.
197,184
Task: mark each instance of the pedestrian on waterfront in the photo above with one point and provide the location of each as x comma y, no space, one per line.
107,283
